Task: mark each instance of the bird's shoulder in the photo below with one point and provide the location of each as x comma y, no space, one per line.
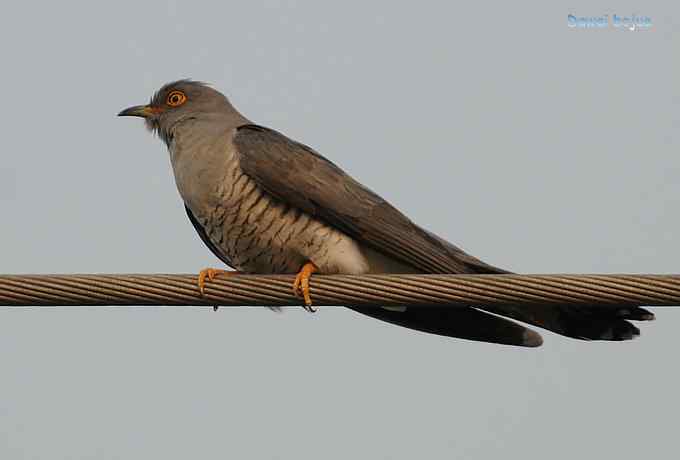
258,141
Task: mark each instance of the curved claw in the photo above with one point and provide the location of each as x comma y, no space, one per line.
301,285
210,274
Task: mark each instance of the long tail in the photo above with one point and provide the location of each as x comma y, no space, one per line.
487,324
578,322
586,323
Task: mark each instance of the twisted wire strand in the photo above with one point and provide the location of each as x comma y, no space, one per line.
366,290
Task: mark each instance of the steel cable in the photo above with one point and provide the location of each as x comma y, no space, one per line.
368,290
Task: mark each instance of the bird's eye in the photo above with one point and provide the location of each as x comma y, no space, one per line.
176,98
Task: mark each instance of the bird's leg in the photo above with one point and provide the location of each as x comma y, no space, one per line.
211,273
301,285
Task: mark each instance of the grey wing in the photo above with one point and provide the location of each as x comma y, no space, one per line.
204,237
299,176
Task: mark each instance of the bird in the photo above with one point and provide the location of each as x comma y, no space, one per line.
266,204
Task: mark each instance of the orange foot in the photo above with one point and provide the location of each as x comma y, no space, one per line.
210,273
301,284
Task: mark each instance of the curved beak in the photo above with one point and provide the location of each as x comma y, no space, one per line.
143,111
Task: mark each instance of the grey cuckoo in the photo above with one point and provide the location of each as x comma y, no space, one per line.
264,203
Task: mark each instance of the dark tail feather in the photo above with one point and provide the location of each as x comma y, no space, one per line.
581,322
463,323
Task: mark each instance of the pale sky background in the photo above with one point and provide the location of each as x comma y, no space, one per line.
536,147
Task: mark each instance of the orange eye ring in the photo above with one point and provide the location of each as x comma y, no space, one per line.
176,98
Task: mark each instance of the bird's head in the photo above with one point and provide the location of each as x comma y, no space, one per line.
179,101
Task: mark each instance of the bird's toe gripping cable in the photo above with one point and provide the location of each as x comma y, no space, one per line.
210,274
301,285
